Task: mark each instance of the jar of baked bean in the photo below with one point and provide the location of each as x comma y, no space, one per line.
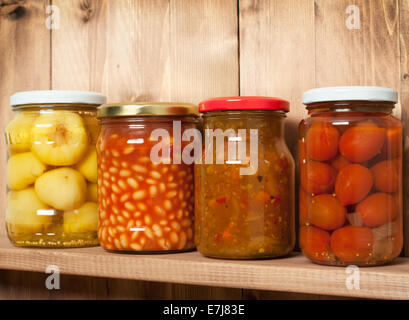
145,188
350,153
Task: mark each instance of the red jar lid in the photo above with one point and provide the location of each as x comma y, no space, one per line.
244,103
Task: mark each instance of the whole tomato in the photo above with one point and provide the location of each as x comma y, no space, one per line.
353,184
315,243
317,177
322,141
352,244
362,142
378,209
326,212
386,176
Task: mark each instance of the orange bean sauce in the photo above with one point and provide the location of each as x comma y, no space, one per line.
142,206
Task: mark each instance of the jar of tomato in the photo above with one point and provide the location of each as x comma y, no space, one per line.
245,181
350,153
52,169
146,196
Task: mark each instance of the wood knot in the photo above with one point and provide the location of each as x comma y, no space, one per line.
85,6
406,76
12,8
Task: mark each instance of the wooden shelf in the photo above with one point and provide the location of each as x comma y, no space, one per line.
292,274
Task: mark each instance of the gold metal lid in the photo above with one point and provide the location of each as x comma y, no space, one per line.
147,109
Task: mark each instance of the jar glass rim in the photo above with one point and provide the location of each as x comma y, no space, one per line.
147,109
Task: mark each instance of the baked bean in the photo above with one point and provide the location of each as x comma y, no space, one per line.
173,237
128,205
113,170
162,187
127,215
115,188
139,169
120,229
167,205
157,230
117,243
130,223
124,240
136,246
182,240
125,197
132,183
149,233
153,191
122,185
159,211
128,150
175,226
134,235
139,195
148,219
171,194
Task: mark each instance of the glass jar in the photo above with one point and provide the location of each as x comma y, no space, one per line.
350,151
146,196
244,199
52,169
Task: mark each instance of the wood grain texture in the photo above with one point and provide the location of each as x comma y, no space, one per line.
404,97
138,44
126,289
22,285
79,45
204,49
171,50
293,274
17,285
24,65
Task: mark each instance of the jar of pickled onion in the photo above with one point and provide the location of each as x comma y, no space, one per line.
146,188
52,169
350,153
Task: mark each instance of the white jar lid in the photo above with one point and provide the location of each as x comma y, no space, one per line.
56,96
350,94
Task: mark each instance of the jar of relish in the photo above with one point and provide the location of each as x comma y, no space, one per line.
245,181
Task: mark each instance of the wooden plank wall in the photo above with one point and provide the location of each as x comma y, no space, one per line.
190,50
